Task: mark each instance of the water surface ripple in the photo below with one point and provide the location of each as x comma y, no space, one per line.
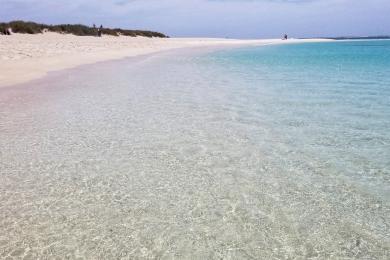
276,152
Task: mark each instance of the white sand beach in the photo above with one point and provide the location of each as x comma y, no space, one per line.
198,129
193,150
27,57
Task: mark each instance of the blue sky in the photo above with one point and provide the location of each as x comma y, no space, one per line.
214,18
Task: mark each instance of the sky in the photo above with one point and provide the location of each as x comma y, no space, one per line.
214,18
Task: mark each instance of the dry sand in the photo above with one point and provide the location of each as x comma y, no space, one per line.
27,57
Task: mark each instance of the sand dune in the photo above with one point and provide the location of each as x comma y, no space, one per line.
26,57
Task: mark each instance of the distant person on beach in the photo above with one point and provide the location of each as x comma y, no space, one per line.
7,31
100,31
285,37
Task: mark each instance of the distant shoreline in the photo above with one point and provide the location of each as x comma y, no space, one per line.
355,38
26,57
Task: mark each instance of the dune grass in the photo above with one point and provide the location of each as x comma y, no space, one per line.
76,29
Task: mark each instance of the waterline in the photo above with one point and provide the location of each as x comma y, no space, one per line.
252,153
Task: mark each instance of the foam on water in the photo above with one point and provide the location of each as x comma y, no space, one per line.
268,152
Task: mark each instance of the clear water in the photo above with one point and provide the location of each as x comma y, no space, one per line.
327,101
273,152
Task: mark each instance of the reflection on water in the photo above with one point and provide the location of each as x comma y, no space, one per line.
170,157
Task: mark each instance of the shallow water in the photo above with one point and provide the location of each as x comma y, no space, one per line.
269,152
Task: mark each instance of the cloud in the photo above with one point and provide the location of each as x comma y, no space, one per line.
233,18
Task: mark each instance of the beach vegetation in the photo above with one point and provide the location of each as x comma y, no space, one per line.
2,28
76,29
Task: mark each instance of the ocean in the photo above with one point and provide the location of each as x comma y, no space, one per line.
269,152
327,101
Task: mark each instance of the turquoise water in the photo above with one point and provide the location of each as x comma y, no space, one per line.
272,152
329,102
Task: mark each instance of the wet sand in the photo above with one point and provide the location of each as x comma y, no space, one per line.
27,57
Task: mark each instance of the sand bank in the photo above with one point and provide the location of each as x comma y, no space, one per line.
27,57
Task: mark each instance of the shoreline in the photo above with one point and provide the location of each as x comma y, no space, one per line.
25,58
189,152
